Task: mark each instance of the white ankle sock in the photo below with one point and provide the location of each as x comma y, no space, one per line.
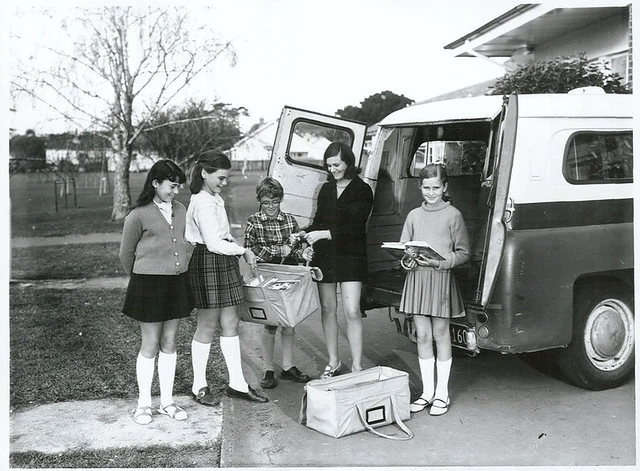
199,359
144,374
427,366
443,368
268,345
287,338
230,347
166,376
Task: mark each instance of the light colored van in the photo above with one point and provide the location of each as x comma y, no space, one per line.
545,184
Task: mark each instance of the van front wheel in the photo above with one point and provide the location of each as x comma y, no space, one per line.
601,352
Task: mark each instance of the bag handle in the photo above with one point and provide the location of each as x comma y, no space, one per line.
302,417
399,421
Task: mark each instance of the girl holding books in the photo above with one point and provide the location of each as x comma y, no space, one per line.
430,295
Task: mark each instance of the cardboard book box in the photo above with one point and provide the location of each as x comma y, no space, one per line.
279,295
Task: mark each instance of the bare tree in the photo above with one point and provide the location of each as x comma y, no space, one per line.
119,68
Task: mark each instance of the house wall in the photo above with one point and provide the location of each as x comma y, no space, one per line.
609,36
254,152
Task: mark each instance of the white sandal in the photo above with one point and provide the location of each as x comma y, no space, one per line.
142,415
420,404
439,407
173,411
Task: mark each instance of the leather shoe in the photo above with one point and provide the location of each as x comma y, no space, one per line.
294,374
251,395
269,380
205,397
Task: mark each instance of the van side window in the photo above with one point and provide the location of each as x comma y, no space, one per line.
599,157
310,139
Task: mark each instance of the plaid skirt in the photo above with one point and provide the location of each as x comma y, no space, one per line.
430,292
158,298
215,279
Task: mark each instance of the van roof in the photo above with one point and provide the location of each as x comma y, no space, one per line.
484,108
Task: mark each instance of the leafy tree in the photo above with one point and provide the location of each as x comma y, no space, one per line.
375,107
118,69
558,76
180,132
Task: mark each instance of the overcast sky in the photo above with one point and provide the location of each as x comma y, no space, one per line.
325,55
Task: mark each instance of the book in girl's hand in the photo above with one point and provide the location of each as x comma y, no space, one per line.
397,249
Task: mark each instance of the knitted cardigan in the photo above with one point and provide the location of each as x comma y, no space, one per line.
150,245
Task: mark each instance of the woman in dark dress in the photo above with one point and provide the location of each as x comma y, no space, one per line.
338,236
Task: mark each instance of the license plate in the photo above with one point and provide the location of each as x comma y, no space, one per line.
458,336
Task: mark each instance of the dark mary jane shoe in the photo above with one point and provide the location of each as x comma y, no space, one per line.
251,395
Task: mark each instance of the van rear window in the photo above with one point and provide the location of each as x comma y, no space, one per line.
310,139
599,157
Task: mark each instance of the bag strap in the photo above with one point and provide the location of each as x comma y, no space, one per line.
399,421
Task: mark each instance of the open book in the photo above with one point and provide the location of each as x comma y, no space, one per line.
397,249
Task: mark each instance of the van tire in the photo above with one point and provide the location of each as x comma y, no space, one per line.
601,353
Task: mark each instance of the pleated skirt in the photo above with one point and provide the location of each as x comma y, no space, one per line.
215,279
158,298
430,292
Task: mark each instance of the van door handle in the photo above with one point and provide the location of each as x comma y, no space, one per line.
509,210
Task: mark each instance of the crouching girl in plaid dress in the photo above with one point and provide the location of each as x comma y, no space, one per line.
215,278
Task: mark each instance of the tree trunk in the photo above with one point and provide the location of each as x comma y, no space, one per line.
121,193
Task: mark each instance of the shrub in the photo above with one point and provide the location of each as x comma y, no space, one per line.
559,76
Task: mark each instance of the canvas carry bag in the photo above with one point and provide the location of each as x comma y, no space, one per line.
280,295
360,401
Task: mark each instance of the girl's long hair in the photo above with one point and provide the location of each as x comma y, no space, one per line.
436,171
209,161
160,171
342,150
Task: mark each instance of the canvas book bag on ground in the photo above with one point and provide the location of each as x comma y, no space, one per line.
360,401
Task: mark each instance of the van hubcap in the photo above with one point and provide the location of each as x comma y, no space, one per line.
609,336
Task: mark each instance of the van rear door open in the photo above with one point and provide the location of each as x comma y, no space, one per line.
297,157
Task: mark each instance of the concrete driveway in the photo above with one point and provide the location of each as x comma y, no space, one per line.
504,412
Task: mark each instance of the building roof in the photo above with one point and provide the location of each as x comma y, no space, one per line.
528,25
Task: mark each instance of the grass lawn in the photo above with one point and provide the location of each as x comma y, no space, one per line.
66,261
150,457
77,345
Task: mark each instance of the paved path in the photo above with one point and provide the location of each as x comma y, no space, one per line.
19,242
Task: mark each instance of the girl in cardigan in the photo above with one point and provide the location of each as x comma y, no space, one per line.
215,278
430,295
154,253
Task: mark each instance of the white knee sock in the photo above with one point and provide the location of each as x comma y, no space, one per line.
268,345
166,376
230,347
199,359
287,335
443,368
144,374
427,366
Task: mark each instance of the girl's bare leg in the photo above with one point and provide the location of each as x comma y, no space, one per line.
350,292
329,319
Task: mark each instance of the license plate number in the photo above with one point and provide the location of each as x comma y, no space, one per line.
458,336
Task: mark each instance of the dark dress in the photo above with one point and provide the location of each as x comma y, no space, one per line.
344,257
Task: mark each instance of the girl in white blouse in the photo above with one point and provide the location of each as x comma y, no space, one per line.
215,278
